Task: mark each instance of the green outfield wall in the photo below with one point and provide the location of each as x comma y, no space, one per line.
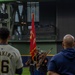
24,47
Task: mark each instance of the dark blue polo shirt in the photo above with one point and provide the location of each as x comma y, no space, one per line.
63,62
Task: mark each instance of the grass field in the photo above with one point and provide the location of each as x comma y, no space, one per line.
26,71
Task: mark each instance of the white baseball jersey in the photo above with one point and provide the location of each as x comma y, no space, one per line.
10,60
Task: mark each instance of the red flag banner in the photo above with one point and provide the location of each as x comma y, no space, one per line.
32,38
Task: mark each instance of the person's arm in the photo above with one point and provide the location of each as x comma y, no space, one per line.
52,73
19,71
19,64
53,66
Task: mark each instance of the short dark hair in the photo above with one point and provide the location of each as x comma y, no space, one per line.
4,33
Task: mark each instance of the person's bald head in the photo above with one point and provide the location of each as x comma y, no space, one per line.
68,41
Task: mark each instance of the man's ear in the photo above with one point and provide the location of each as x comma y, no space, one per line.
74,44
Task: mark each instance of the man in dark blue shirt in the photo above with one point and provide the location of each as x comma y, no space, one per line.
63,63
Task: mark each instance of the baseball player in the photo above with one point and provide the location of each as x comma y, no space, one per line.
10,58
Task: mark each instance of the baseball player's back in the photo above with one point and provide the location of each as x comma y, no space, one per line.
10,60
10,57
